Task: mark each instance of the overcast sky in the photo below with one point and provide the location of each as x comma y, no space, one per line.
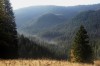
16,4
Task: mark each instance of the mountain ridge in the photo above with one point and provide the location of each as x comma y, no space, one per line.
26,15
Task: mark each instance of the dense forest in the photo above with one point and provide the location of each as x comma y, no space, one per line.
49,33
8,33
32,48
62,33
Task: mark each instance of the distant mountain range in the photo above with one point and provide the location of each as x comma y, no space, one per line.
29,15
59,23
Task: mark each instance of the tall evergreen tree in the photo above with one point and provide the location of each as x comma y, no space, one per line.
8,33
81,50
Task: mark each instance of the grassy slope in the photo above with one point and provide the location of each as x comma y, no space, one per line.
42,63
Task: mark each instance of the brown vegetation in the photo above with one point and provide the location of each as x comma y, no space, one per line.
42,63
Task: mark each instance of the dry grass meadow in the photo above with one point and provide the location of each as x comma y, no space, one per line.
42,63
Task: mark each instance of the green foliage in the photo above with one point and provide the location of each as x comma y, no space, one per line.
8,33
33,49
81,50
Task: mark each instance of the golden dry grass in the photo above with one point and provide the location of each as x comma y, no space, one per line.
42,63
97,63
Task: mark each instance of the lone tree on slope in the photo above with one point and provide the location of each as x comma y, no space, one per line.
81,50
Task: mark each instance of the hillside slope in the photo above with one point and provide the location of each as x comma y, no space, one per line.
44,22
27,16
65,32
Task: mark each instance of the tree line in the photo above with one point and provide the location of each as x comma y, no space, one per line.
8,33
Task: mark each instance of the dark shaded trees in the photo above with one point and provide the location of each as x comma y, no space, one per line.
8,33
81,50
29,49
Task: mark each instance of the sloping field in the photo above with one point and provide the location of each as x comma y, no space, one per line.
42,63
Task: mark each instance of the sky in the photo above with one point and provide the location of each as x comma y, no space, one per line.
16,4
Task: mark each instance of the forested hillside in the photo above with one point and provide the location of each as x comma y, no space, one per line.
44,22
59,24
33,48
90,19
65,32
26,17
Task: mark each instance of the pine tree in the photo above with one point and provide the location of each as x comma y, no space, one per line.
12,26
8,33
81,50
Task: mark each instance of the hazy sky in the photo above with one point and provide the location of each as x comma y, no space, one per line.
16,4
